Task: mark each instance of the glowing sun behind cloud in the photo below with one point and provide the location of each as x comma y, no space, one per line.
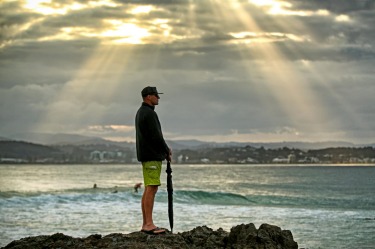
111,31
125,32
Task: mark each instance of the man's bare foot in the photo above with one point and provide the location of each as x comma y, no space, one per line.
154,231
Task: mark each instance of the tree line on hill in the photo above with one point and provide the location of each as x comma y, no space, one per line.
25,152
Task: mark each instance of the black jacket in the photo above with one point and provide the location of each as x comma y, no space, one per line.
150,142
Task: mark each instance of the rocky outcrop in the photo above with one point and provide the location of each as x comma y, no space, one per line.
241,236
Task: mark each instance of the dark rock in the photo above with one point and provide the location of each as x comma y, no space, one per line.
241,236
204,237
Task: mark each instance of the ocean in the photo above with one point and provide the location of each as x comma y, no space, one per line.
324,206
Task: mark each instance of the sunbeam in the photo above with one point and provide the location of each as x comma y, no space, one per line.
340,104
286,85
94,84
100,77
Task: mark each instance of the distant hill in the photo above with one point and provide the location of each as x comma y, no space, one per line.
196,144
48,138
67,139
25,150
79,140
303,145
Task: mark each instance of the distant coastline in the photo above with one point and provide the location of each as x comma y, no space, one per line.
102,152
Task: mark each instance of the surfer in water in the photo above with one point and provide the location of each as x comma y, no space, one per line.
137,186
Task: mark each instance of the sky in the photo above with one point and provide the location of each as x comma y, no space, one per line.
230,70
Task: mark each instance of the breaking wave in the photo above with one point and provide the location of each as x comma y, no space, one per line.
196,197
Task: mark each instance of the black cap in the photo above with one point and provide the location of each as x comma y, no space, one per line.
149,90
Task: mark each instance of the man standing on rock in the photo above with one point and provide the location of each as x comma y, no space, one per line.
151,151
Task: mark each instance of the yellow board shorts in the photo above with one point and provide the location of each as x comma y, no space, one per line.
151,173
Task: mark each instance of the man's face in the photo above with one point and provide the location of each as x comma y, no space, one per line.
154,99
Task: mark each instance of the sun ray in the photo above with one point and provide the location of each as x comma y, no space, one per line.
98,79
288,86
341,103
82,95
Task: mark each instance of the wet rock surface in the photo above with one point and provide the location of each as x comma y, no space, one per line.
241,236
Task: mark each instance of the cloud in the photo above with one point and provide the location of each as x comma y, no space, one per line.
290,70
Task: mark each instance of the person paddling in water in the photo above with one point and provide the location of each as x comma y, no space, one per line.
137,186
151,151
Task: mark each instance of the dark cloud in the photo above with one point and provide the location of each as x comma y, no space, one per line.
42,63
337,6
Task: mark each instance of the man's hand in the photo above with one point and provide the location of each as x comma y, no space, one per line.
169,156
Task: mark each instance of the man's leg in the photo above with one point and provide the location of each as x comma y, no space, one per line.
151,174
148,199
